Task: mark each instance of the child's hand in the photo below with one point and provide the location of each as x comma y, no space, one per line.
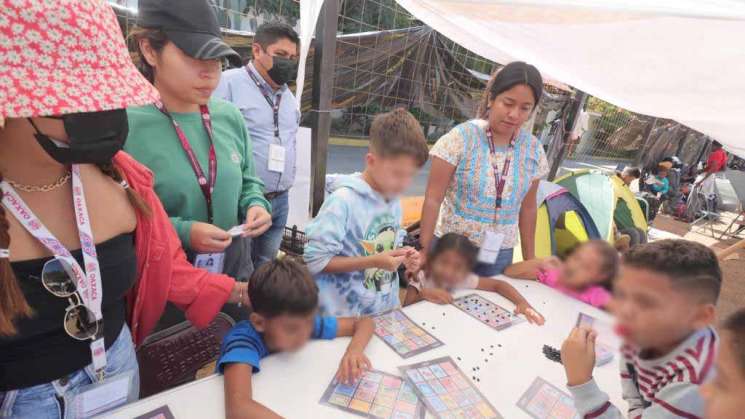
533,316
578,355
352,366
437,296
390,260
412,261
551,264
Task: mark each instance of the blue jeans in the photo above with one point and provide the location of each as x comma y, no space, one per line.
47,401
493,269
265,247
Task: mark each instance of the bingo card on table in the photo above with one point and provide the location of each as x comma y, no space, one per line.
403,335
486,312
544,401
446,391
376,395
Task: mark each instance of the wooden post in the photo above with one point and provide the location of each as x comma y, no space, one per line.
324,59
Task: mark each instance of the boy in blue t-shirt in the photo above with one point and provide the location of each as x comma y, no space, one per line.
284,297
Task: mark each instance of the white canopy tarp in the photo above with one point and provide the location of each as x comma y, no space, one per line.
677,59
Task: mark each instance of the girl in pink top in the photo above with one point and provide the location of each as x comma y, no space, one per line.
586,274
449,268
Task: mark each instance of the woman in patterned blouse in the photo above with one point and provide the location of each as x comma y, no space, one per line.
485,173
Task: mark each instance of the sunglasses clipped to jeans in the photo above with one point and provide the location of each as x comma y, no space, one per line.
58,278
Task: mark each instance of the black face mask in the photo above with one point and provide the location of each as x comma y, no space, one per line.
95,137
283,70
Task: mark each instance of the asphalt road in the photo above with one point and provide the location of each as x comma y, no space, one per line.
350,159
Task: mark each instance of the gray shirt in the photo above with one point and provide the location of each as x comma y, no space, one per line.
238,87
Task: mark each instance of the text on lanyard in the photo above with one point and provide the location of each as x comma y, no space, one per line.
500,179
207,186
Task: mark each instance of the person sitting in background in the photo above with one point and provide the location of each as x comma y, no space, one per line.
354,242
586,274
723,395
285,300
622,214
449,268
272,118
664,302
658,186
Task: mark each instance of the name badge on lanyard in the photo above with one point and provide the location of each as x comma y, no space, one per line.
276,157
88,280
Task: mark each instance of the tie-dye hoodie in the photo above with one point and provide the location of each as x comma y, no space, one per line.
354,221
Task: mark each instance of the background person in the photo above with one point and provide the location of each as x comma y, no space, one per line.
272,117
485,173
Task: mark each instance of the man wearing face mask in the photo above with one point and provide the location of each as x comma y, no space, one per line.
272,117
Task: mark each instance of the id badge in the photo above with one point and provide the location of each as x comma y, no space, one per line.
276,158
211,262
100,397
490,247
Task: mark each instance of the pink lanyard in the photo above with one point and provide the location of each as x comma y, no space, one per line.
499,178
88,281
207,187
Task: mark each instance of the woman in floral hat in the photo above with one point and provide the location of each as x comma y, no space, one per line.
68,317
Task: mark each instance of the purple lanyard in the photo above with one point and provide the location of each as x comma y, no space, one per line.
499,178
272,104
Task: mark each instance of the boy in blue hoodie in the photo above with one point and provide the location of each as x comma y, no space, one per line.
353,245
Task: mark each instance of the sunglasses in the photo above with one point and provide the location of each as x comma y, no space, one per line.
57,277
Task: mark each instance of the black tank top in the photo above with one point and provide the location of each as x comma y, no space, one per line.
42,351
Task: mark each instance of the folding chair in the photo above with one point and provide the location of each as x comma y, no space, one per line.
173,356
707,214
737,180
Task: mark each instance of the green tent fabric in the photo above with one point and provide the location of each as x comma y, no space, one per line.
600,193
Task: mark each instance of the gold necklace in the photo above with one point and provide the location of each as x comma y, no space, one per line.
43,188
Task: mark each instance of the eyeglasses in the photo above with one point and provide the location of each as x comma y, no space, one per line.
57,277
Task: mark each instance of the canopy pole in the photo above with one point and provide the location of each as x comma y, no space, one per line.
324,59
645,143
577,104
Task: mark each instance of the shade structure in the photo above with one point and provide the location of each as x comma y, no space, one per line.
676,59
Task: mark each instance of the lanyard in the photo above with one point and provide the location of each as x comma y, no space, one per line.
207,187
88,281
268,97
499,178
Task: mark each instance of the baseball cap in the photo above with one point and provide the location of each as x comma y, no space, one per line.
190,24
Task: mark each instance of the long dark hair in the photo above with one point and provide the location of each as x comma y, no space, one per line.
157,40
458,243
509,76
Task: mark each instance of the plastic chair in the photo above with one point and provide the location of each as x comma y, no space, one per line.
173,356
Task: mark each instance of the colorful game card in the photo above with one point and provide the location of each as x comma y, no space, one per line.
376,395
446,391
603,351
404,336
487,312
544,401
